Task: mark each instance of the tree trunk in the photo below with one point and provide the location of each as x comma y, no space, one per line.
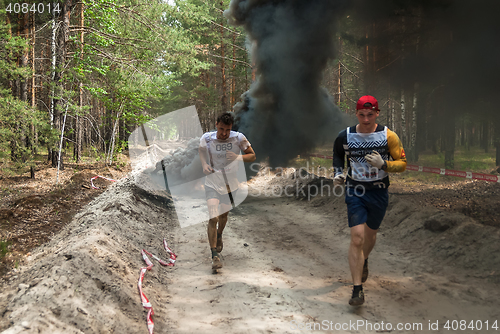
233,80
53,67
413,156
369,58
53,49
497,146
393,116
79,131
223,99
449,134
403,119
9,36
62,40
485,136
462,133
339,75
109,158
33,71
33,134
496,138
23,87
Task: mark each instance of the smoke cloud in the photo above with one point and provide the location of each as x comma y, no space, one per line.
286,112
448,47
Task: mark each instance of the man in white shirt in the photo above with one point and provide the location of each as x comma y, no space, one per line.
219,154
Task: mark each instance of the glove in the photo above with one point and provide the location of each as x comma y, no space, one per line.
339,179
375,159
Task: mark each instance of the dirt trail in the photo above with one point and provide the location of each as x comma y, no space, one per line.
285,269
294,273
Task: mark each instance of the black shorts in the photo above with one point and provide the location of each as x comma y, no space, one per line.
224,198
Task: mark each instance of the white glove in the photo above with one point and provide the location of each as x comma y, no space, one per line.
375,159
339,179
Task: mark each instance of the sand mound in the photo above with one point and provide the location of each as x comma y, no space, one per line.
84,280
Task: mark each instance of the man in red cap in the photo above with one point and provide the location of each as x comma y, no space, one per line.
372,151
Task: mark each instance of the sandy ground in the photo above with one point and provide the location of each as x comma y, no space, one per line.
285,270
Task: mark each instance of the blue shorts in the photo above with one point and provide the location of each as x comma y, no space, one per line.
366,206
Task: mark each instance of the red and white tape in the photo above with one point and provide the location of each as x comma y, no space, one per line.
457,173
144,300
102,177
441,171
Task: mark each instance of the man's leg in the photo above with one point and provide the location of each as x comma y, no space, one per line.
370,239
224,208
356,260
222,224
213,210
376,201
357,217
356,256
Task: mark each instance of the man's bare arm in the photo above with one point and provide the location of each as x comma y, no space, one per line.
249,155
207,169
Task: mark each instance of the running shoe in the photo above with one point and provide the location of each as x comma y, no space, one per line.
358,298
216,263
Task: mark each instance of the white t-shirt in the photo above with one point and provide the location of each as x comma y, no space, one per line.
216,158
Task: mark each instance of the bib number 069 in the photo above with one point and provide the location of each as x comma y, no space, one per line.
224,147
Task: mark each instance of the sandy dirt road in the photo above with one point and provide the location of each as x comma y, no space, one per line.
286,271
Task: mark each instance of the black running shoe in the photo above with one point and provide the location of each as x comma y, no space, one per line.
364,276
358,298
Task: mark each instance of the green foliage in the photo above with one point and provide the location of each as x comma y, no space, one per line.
120,146
133,55
138,59
467,159
17,119
97,154
4,248
200,22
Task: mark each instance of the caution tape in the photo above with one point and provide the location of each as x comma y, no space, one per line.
144,300
441,171
102,177
457,173
321,156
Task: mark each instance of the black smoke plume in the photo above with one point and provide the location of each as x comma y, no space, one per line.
286,112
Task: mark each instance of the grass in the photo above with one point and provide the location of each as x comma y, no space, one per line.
472,160
4,248
11,169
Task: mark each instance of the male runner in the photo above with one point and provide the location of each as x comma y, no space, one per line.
219,154
368,147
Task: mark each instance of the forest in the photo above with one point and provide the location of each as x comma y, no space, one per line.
80,76
78,218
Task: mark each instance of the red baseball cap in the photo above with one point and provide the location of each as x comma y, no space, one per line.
367,102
